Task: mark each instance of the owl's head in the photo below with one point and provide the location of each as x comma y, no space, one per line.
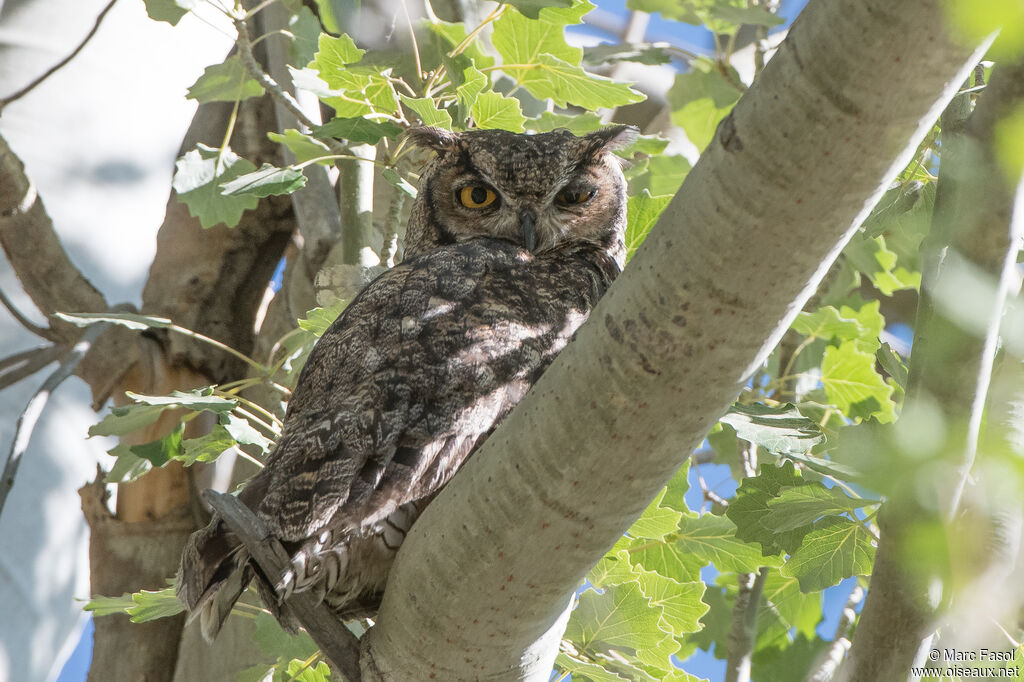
539,191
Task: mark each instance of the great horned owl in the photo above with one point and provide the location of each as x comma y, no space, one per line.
512,240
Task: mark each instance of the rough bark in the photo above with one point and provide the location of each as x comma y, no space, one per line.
487,571
950,369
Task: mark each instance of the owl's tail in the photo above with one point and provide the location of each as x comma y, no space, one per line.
214,572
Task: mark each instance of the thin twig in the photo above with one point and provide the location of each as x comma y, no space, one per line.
244,43
829,664
16,367
336,642
415,45
744,625
44,332
30,415
59,65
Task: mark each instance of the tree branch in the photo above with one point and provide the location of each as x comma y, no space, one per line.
743,634
950,368
62,63
335,640
826,668
279,94
16,367
23,320
556,485
34,409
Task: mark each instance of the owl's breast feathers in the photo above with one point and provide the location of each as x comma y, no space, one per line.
413,375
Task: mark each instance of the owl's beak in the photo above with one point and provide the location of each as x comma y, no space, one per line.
528,226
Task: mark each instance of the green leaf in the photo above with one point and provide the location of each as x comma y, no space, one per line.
170,11
699,541
358,130
227,82
305,28
453,34
869,317
142,606
613,569
871,257
836,549
326,10
532,8
428,112
675,490
751,505
669,9
161,450
892,364
781,430
659,175
827,323
620,617
473,84
318,320
298,671
494,110
109,606
198,181
534,53
129,320
796,661
303,147
127,466
198,400
700,99
642,212
680,603
649,145
806,504
267,181
520,41
152,605
274,641
852,384
796,609
333,55
125,419
564,83
242,431
353,92
641,53
391,176
206,448
699,119
656,522
587,670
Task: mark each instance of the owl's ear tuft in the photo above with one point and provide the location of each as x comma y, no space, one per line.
611,138
429,137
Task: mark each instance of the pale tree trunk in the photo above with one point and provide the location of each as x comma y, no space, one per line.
974,234
481,586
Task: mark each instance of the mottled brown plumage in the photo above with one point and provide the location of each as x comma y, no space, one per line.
512,240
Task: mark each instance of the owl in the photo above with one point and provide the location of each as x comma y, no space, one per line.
511,241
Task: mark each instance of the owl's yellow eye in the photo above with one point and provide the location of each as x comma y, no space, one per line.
477,196
574,197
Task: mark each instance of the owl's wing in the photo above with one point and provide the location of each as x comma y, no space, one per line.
416,371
